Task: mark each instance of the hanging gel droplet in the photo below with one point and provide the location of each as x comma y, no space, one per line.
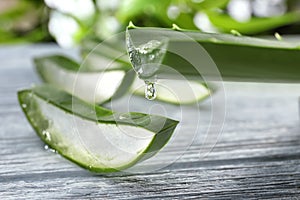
150,90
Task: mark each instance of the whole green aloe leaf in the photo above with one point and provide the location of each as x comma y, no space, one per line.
238,58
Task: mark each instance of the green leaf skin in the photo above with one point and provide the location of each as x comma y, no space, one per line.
35,102
131,8
238,58
208,4
254,26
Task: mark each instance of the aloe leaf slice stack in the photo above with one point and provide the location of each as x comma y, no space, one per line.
101,86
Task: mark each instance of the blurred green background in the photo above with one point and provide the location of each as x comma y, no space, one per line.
69,22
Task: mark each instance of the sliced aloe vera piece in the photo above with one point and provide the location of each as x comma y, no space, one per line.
91,136
238,58
175,91
93,87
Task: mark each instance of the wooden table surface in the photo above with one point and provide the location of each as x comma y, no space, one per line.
257,155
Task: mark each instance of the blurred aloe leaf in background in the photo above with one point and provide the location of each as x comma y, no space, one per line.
253,17
23,21
71,21
248,17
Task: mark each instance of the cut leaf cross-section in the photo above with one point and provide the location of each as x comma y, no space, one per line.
91,136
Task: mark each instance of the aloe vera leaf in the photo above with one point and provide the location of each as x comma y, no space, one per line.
255,25
130,8
178,92
93,87
91,136
208,4
238,58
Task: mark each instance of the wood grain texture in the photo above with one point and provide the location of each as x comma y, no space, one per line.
256,156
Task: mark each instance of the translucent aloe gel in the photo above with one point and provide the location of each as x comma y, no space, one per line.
146,58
